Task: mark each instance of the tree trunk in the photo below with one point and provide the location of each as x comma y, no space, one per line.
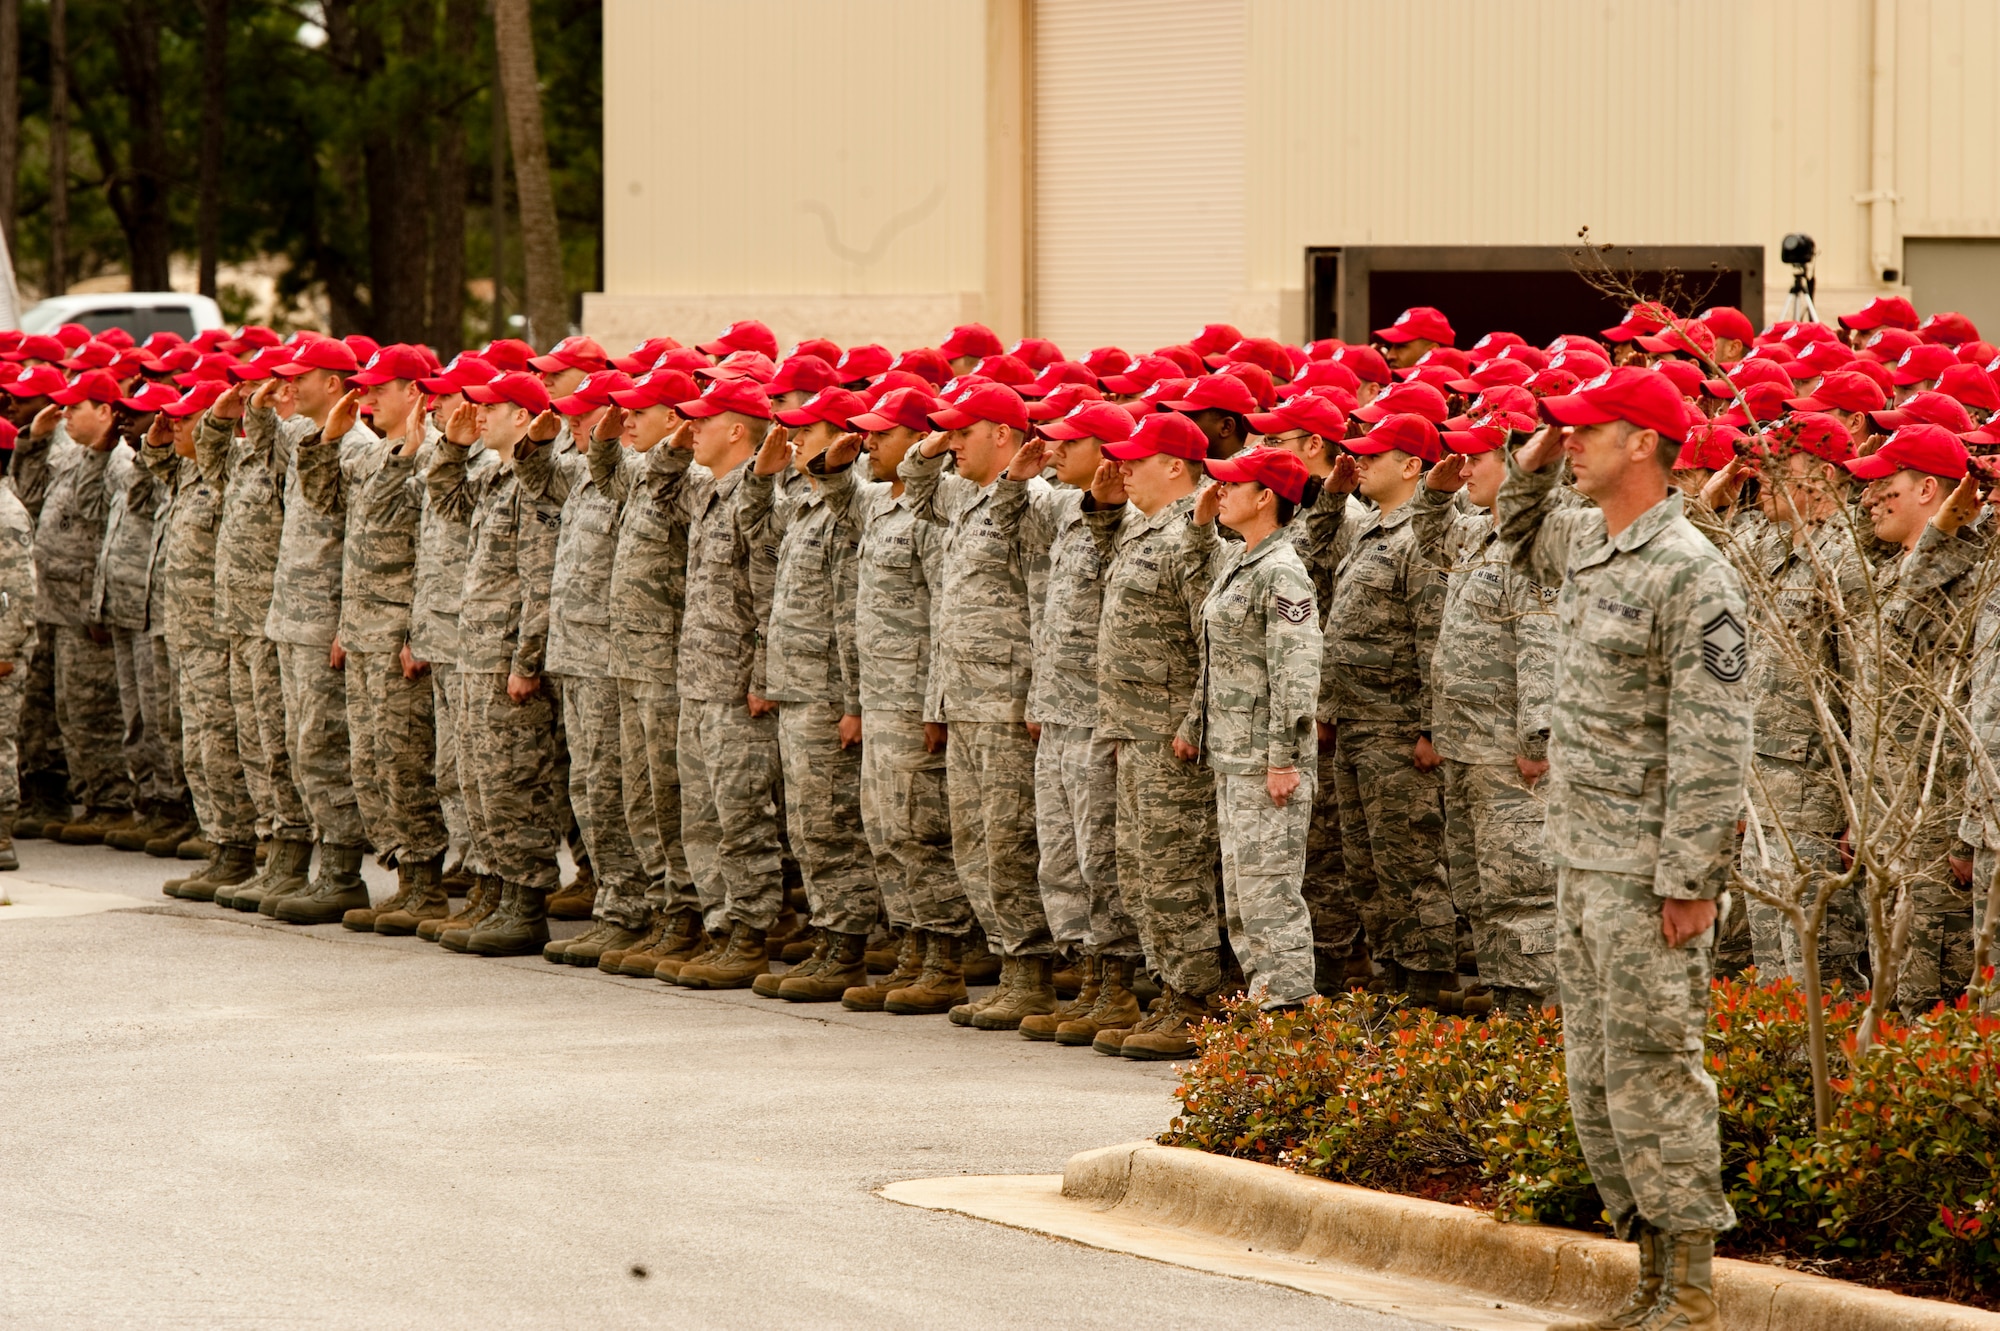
496,214
58,281
541,242
10,113
147,221
448,182
214,74
394,166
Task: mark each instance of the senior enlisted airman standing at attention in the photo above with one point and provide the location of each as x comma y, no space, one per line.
1649,748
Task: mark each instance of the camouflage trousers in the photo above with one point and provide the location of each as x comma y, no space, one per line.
151,716
823,817
392,726
13,689
649,725
597,795
990,773
87,713
1937,963
1392,843
1335,921
40,738
1263,874
447,697
729,814
907,816
1500,881
1076,824
209,752
567,827
1843,939
257,694
507,759
316,739
1634,1012
1168,847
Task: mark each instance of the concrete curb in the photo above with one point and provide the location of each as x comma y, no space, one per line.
1543,1267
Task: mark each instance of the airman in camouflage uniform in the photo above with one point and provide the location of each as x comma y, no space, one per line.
1649,746
1491,675
45,785
121,599
17,648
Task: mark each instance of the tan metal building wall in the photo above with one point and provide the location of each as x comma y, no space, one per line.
872,167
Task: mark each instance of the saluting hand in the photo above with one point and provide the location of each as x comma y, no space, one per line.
161,432
228,407
1960,507
774,456
1207,504
842,452
545,427
683,437
933,443
1448,475
1542,448
1346,476
1107,487
462,426
1029,459
341,419
265,391
610,424
1722,488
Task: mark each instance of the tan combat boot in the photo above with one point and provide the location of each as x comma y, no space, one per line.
963,1014
939,987
232,864
1687,1285
1090,972
575,901
1113,1007
336,891
458,879
680,936
909,965
1173,1034
739,963
885,951
1111,1039
95,825
766,985
482,901
284,871
611,936
362,919
1034,995
656,927
703,947
1643,1296
172,886
556,947
427,900
979,961
844,966
519,933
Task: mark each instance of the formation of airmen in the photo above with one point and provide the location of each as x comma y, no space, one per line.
1128,681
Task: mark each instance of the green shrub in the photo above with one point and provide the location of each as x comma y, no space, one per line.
1905,1183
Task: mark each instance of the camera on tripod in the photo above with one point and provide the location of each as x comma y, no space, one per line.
1797,250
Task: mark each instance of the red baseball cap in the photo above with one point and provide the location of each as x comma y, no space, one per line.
1058,374
1726,321
1326,373
1812,432
1494,372
1629,393
997,403
1746,373
889,381
909,408
41,381
320,353
1873,369
1262,351
1062,400
395,361
465,369
927,363
1365,363
41,347
362,345
1223,392
1158,394
1552,383
518,387
1842,390
572,353
1971,385
1276,469
1949,328
1101,361
1143,372
834,405
1930,449
1037,353
863,362
1475,439
746,397
1493,343
72,335
1648,316
1191,363
1689,337
1882,312
1978,353
1711,445
802,373
150,397
644,356
508,355
971,340
1106,422
1215,339
92,355
1262,387
1166,432
1888,345
740,365
1931,408
595,391
1925,361
1406,431
825,348
1441,377
1005,369
90,386
1683,374
1765,402
744,335
1308,411
658,388
1419,321
1417,399
199,399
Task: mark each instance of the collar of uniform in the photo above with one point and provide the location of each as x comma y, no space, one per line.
1643,529
1281,537
1180,508
726,483
1396,517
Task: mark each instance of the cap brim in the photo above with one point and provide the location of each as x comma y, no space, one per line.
484,394
1395,336
1891,420
573,405
1467,443
441,384
951,418
1129,451
1904,380
1228,469
1062,431
634,399
1369,413
1118,383
291,370
1465,386
1573,409
1811,404
871,421
799,416
369,378
1266,422
714,348
548,364
699,409
1871,468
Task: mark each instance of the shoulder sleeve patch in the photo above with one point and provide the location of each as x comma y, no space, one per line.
1296,612
1722,648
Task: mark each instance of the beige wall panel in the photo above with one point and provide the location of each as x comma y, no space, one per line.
1948,117
795,147
621,321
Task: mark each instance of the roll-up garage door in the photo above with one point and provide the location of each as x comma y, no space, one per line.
1138,169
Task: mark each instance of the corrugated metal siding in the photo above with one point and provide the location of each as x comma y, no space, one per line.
1948,117
760,146
1139,184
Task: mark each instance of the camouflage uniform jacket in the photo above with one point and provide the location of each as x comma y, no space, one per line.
1926,599
1649,733
381,502
648,588
28,472
809,635
438,585
1381,625
1149,632
580,587
1495,664
503,624
1260,656
722,627
247,468
184,579
1050,526
70,534
982,644
17,580
121,592
305,590
898,566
